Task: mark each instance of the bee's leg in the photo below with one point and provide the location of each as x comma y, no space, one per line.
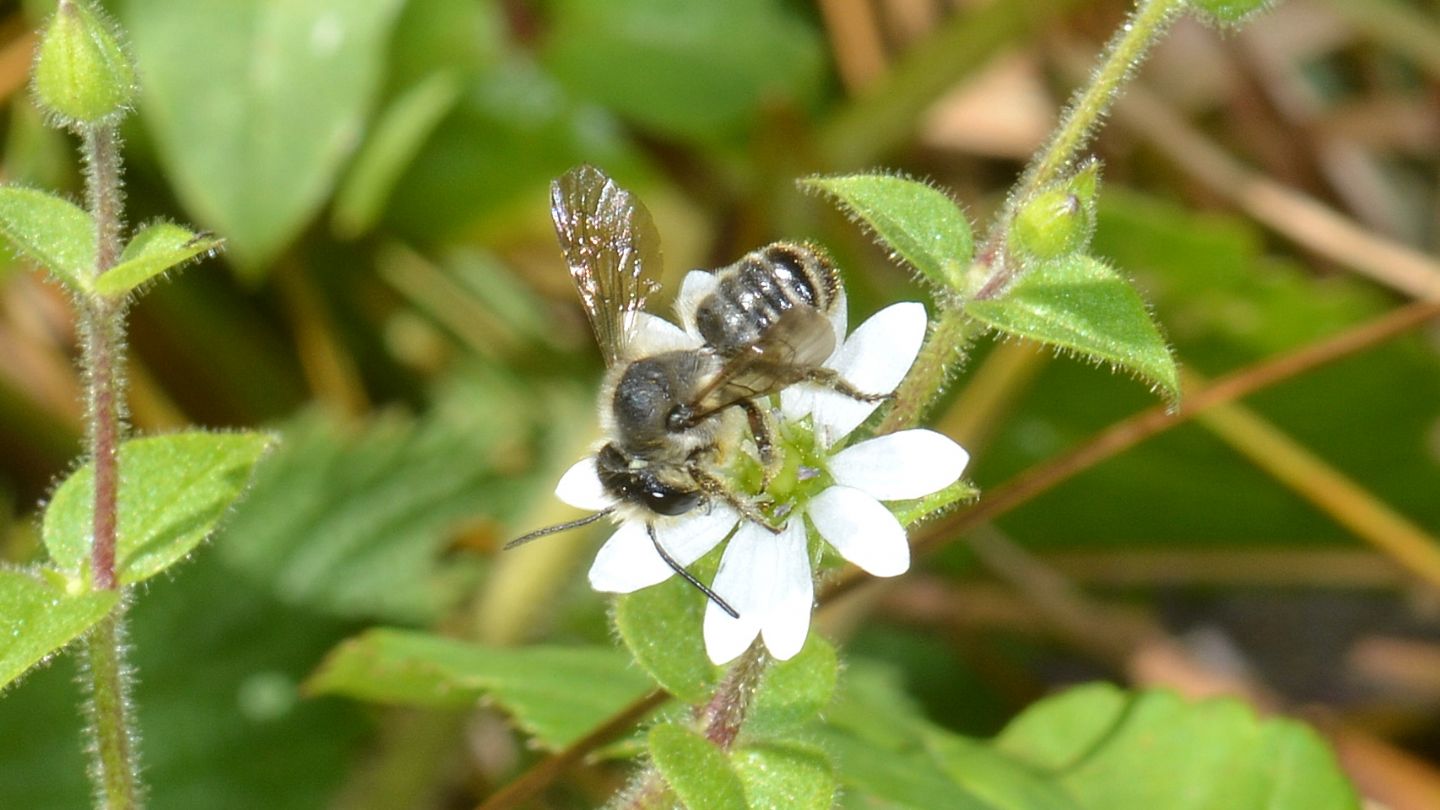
830,378
687,576
764,440
716,488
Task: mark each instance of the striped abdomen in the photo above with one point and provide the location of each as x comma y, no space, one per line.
751,294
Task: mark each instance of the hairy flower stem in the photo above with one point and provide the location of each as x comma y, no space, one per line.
946,347
1126,50
113,767
723,716
720,721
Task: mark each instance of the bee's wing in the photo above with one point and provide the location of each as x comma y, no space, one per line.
613,251
800,340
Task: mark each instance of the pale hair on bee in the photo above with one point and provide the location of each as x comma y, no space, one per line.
675,403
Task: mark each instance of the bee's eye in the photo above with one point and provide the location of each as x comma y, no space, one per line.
666,501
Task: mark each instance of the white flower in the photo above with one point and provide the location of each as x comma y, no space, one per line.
765,576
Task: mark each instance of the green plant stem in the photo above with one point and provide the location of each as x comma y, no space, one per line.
1145,25
113,767
946,346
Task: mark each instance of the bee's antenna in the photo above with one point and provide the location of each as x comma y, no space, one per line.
560,527
689,577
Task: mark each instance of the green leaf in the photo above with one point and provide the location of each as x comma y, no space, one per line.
357,519
697,770
54,233
661,626
789,775
1079,304
556,694
152,251
794,691
398,135
37,620
875,732
902,777
690,68
257,161
513,130
919,224
225,726
1003,782
173,491
1120,751
913,511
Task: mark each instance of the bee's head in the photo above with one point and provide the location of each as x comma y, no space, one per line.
642,485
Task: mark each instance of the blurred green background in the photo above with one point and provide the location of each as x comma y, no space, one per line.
392,302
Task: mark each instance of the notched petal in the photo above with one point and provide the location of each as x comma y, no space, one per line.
897,466
787,622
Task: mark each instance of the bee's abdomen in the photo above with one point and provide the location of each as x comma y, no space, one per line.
754,292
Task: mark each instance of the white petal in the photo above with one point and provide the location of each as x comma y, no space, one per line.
697,285
834,415
907,464
580,487
862,530
689,537
628,561
874,359
787,621
652,334
744,581
840,319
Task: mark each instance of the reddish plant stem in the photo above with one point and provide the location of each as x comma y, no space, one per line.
103,345
102,321
723,716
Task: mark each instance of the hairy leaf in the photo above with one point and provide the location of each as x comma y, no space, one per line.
173,491
51,231
920,224
37,619
662,627
785,775
1079,304
793,692
697,770
152,251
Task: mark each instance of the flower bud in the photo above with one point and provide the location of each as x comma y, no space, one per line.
1228,12
83,74
1050,225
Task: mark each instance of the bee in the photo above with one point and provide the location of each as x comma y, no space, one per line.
670,409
